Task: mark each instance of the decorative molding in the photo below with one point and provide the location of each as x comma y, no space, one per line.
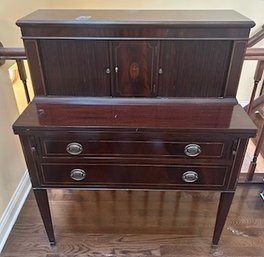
9,217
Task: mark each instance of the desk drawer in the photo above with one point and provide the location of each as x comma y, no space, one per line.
136,148
129,175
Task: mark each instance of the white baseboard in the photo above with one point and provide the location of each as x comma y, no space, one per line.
8,219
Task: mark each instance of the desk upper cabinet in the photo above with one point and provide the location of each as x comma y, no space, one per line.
72,67
196,68
135,53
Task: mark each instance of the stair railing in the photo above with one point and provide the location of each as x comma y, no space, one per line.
19,55
258,55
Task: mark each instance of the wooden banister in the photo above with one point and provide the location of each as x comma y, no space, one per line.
258,55
253,104
12,53
256,38
7,53
254,54
17,54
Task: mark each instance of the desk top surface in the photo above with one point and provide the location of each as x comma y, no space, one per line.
136,114
173,17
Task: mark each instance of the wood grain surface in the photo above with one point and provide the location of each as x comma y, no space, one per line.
222,115
165,53
136,223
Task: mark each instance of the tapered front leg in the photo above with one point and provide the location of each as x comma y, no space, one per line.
223,209
43,205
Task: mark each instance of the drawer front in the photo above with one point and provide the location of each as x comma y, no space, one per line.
135,148
134,176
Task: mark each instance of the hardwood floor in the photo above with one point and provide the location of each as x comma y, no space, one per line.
136,223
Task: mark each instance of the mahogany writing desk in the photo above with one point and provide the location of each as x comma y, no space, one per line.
148,143
134,143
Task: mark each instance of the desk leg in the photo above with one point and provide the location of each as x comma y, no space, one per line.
223,209
43,204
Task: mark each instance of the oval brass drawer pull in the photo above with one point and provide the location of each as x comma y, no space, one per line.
192,150
74,148
78,174
190,176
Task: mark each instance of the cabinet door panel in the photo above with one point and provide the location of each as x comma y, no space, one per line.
196,68
135,64
75,67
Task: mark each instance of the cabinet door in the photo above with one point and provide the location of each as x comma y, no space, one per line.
135,65
75,67
194,68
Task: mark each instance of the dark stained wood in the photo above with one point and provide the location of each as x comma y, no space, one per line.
190,68
135,68
131,31
253,163
136,143
17,54
255,110
55,146
138,121
7,53
254,53
256,116
196,52
256,37
223,116
133,223
29,150
23,77
134,176
43,205
35,67
255,106
236,63
223,209
257,78
238,154
75,68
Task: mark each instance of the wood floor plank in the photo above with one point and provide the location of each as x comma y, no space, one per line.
140,224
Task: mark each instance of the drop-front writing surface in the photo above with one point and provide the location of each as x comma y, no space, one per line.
135,53
175,114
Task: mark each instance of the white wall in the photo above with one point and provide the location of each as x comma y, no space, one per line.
12,165
253,9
